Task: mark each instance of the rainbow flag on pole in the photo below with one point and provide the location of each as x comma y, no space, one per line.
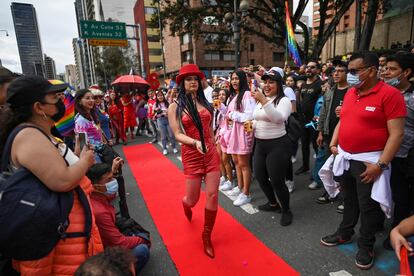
291,41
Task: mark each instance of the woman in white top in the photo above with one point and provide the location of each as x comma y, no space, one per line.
273,147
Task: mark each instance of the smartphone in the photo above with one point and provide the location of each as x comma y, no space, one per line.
253,85
83,139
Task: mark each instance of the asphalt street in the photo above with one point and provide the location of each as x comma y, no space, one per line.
298,244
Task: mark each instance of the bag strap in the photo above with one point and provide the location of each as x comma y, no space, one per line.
7,148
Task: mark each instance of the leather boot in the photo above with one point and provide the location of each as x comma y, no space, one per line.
209,220
187,211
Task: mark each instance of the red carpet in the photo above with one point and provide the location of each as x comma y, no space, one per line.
238,252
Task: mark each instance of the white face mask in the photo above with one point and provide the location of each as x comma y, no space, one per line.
353,80
394,81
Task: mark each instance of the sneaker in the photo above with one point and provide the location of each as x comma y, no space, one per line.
293,159
227,186
268,207
222,180
234,192
175,151
301,170
242,199
314,185
364,258
335,239
340,208
325,199
290,184
286,218
165,152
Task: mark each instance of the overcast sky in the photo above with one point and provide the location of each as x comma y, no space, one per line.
57,27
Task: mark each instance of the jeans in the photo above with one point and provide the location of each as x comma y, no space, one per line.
358,201
142,254
320,160
154,129
271,159
309,135
166,132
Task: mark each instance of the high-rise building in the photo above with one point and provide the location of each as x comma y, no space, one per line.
151,40
50,68
28,38
212,59
71,76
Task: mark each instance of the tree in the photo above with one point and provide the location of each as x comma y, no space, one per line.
266,19
113,61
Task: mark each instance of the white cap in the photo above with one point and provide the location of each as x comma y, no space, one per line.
96,92
279,70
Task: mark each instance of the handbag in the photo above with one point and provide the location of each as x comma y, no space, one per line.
293,128
32,217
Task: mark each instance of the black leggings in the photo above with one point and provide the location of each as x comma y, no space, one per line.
271,159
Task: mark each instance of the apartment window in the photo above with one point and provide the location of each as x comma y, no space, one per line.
278,56
150,10
346,25
209,3
251,47
186,38
210,20
188,55
212,55
252,62
229,56
155,52
151,24
211,38
153,38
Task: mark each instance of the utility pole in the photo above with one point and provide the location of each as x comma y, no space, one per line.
141,49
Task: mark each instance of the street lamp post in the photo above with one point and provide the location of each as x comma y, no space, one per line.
233,19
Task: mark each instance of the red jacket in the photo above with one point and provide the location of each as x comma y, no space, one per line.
105,220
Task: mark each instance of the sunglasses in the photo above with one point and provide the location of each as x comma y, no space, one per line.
357,71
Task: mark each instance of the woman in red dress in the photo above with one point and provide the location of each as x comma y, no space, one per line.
190,118
130,119
117,121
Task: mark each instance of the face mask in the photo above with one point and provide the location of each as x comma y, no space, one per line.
394,81
353,80
111,187
61,111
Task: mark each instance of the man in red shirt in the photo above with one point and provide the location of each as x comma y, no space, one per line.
152,100
105,190
371,121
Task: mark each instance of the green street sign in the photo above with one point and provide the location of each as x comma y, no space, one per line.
102,30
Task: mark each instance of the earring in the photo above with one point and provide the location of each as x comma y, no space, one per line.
44,116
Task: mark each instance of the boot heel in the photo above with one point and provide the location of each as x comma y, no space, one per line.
209,221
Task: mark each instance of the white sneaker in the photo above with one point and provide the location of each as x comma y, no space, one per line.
234,192
314,185
175,150
290,184
227,186
314,156
165,152
242,199
222,180
293,159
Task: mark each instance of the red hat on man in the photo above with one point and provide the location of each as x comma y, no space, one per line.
189,70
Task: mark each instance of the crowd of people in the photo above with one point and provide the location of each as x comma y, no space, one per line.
357,113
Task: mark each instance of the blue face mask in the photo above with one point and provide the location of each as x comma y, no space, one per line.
111,187
394,81
353,80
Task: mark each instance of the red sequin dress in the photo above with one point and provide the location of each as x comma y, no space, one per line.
194,162
130,120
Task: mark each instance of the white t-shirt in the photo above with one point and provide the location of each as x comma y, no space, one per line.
208,93
269,120
289,93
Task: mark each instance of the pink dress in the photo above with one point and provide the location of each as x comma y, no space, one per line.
194,162
239,141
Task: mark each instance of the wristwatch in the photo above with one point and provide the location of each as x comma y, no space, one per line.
382,165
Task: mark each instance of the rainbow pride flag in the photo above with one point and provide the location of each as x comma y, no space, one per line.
291,41
66,125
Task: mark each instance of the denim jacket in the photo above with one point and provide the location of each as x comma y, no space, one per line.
325,112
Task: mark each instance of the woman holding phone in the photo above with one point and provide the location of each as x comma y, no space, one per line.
190,118
272,152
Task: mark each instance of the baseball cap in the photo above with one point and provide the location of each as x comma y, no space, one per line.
29,89
6,75
274,75
277,69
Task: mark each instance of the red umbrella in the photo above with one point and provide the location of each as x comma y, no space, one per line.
131,81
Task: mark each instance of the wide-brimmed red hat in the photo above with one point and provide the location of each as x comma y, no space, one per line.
189,70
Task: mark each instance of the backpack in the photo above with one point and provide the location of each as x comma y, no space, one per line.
33,218
293,128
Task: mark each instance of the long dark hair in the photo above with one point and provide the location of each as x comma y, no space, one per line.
157,102
227,94
11,117
81,110
279,83
186,104
243,87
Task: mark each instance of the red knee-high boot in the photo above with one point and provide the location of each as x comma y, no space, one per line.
187,211
209,220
